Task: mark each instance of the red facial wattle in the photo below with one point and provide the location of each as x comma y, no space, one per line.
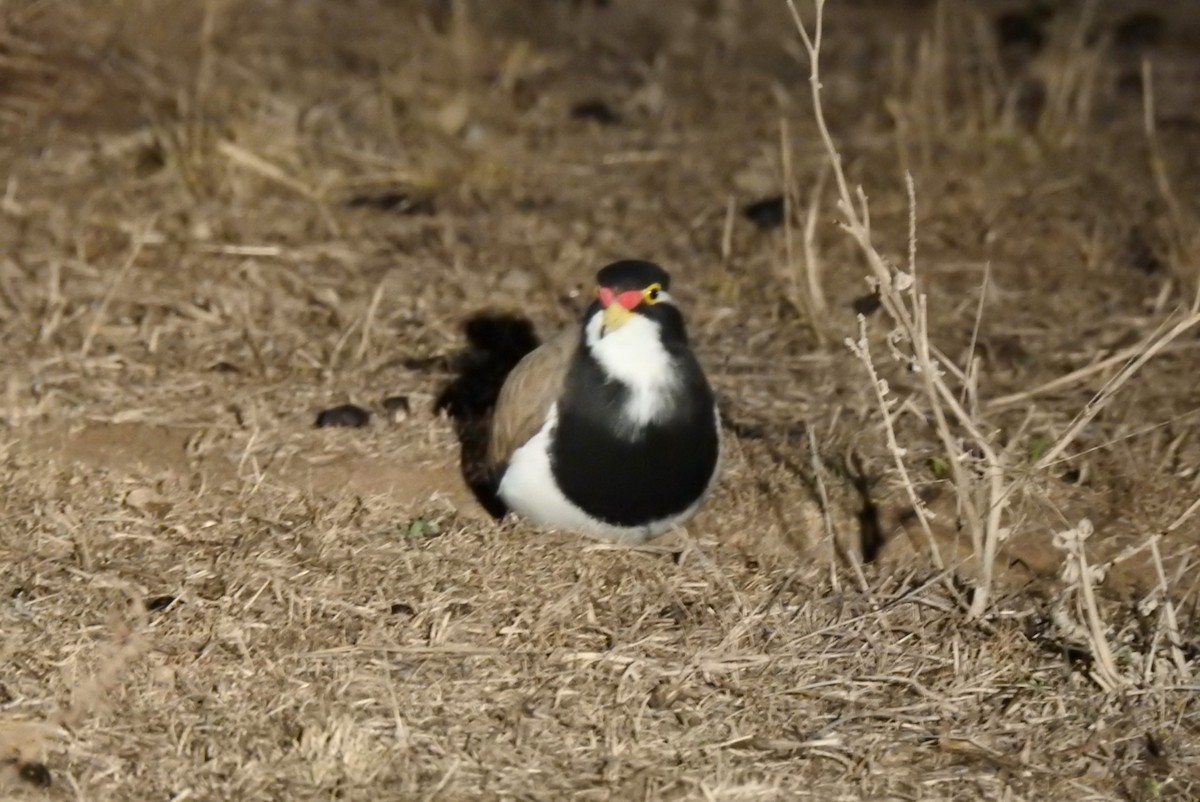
628,299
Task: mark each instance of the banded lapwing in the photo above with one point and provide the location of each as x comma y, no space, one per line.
611,428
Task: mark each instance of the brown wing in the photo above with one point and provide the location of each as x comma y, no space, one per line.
534,384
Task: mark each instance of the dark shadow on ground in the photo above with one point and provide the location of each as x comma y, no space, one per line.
495,344
849,466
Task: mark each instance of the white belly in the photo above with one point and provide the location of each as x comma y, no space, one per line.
528,489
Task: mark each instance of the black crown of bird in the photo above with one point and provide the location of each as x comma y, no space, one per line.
611,428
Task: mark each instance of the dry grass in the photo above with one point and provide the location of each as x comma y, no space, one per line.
221,221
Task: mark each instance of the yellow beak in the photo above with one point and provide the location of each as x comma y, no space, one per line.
616,316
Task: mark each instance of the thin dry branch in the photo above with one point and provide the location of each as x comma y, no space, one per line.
903,302
1170,621
1148,349
862,349
1124,355
1080,579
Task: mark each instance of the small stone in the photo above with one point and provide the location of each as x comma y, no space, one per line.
765,213
1141,253
35,774
148,501
209,588
157,604
676,613
343,415
393,201
453,116
866,304
649,99
397,407
757,179
327,297
517,281
1006,351
597,111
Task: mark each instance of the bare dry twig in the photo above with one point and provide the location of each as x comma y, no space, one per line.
1148,349
905,304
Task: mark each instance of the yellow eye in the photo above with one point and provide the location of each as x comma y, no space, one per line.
651,293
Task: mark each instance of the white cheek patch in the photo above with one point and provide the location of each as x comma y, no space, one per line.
634,355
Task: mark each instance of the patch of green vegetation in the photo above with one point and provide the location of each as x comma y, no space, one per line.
1038,445
421,529
939,467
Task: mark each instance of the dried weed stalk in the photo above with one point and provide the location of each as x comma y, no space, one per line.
984,482
1078,604
1160,599
1078,617
979,481
1145,351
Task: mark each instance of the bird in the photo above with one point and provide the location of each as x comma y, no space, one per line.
610,429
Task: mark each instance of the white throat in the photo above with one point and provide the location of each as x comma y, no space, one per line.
633,354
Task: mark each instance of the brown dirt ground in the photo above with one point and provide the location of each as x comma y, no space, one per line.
221,217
